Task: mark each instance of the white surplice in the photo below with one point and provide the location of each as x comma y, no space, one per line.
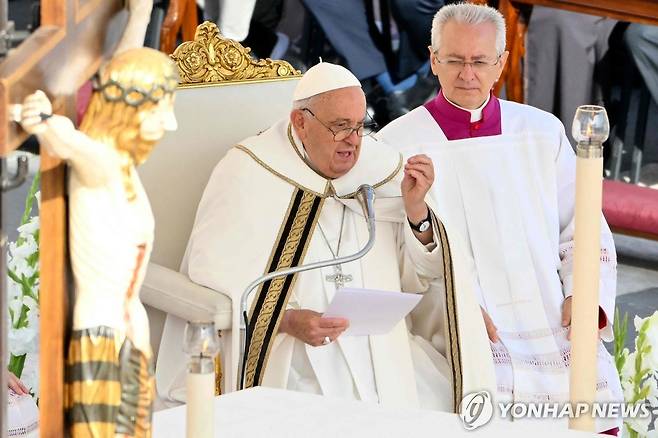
237,224
511,196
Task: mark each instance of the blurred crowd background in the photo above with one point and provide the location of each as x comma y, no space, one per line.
571,58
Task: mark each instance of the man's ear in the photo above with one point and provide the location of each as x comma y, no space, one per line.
298,122
433,62
503,59
297,119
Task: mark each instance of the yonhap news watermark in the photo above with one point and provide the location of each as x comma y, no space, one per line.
478,408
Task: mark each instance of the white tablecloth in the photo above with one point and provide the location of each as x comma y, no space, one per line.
272,413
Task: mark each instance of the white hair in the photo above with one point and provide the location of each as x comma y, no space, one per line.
303,103
469,13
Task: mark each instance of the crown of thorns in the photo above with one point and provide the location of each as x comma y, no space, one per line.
114,91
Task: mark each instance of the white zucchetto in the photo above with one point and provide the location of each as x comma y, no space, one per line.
324,77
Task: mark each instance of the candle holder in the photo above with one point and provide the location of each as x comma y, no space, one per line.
200,342
590,129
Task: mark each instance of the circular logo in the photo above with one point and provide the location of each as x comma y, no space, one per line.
476,409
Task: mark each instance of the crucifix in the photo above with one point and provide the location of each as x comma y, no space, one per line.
74,38
338,278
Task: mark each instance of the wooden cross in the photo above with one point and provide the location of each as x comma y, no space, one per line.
75,36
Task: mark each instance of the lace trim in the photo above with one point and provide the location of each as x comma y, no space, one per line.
558,361
543,396
533,334
24,430
567,251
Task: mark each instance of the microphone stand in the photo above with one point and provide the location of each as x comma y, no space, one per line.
366,196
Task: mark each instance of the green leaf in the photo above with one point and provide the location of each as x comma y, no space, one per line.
22,319
13,276
16,364
619,329
29,200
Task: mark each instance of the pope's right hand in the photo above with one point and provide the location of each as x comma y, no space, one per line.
33,107
492,331
311,328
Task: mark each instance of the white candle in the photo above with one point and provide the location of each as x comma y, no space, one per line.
200,404
585,305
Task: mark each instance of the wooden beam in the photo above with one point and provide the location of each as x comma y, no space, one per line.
56,59
53,218
54,298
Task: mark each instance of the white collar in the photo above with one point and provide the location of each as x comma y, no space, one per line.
476,114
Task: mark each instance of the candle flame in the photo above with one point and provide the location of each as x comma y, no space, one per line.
588,132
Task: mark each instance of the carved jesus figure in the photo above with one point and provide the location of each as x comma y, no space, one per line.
109,381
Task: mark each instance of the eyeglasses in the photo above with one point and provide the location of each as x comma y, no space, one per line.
459,64
341,133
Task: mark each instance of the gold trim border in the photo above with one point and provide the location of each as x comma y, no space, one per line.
263,319
350,195
280,175
233,83
451,323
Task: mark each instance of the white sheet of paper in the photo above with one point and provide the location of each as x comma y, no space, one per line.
370,312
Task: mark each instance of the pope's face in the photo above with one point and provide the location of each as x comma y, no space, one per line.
332,111
467,85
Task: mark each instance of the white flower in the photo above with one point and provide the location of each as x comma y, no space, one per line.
637,322
23,340
628,370
652,383
629,390
30,227
33,318
30,303
16,305
26,249
638,424
21,268
13,290
651,359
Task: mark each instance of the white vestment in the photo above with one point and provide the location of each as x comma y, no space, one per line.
237,224
511,197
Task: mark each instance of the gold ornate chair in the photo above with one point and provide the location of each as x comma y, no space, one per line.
224,96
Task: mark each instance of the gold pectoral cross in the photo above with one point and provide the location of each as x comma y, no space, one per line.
338,277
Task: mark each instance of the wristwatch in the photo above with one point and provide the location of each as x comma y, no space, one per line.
424,225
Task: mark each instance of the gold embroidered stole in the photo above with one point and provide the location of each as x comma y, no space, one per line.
270,303
453,353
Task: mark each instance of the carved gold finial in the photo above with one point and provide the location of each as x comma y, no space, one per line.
211,58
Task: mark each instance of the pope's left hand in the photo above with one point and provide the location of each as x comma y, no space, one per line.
418,178
566,316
